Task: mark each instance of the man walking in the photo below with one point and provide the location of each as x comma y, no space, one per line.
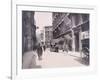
65,45
39,51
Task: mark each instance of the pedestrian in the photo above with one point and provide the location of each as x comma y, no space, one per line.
44,47
65,45
39,51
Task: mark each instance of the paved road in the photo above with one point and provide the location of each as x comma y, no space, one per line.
61,59
51,60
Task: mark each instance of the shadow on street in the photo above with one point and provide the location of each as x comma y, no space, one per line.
29,61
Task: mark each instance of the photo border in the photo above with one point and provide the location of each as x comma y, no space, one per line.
14,71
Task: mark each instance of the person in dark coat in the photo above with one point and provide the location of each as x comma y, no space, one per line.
44,47
39,51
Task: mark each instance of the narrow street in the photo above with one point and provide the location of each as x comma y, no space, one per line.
60,59
52,60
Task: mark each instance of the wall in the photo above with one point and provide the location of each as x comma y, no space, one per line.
28,31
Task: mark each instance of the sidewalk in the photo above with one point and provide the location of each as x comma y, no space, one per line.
29,60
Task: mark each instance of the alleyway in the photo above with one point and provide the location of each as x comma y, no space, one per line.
52,60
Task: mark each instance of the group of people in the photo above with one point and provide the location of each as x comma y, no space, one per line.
57,46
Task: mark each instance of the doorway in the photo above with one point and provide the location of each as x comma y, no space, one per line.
76,41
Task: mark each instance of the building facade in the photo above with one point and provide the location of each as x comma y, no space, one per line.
72,26
42,36
28,31
48,35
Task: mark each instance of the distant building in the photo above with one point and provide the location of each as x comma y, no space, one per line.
42,36
72,26
48,35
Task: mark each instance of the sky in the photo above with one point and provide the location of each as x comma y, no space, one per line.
43,19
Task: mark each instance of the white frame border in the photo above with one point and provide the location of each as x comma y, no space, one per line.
15,43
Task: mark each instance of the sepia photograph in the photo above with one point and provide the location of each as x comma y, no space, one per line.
55,39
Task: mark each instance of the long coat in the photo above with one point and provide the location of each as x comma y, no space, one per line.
39,50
